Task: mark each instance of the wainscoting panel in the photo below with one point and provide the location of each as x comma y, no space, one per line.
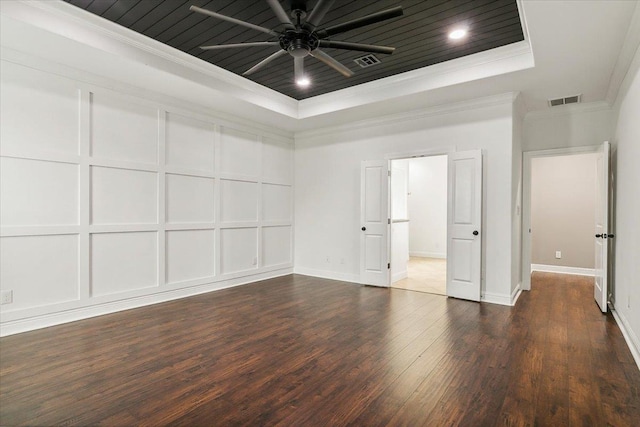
190,143
276,202
189,199
28,94
276,245
122,129
121,196
123,262
239,249
118,200
190,255
45,192
40,270
239,201
240,152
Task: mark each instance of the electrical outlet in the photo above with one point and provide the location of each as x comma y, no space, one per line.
328,259
6,297
558,254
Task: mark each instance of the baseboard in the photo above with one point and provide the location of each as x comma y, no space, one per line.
399,276
57,318
496,298
563,270
516,294
632,340
421,254
326,274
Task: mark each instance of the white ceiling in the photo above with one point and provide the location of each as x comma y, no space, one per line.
571,47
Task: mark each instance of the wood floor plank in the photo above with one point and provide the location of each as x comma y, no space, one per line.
297,350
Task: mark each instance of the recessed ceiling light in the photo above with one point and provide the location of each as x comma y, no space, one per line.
303,82
458,34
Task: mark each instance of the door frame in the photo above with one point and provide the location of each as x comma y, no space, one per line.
436,151
527,156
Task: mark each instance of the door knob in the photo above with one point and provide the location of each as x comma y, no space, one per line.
475,232
364,228
598,235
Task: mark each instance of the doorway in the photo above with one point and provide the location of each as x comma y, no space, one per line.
419,224
565,221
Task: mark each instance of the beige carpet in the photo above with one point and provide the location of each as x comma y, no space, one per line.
425,275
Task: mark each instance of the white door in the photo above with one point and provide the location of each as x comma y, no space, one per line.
374,222
464,218
602,226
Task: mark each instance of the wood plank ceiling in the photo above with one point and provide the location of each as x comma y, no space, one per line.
420,35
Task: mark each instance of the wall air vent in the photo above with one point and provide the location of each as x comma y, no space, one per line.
574,99
367,61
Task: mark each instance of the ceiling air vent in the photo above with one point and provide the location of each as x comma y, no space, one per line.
564,101
367,61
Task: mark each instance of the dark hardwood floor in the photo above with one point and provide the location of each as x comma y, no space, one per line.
301,351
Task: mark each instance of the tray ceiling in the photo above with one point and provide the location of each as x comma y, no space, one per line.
420,35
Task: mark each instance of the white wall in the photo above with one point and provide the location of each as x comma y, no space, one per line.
327,194
626,292
562,127
428,207
110,201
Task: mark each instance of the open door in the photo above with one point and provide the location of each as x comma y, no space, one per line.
602,227
374,220
464,234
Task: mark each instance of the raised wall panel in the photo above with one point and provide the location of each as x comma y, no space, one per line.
276,202
123,262
40,111
189,199
277,160
38,193
189,143
190,255
123,130
121,196
239,152
239,247
40,270
239,200
276,245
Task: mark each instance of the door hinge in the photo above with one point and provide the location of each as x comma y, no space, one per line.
388,173
388,265
388,220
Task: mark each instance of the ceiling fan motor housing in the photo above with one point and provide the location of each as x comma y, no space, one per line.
298,42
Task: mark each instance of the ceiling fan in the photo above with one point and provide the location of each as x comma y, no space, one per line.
301,37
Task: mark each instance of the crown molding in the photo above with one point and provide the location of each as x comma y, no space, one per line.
76,24
501,60
625,58
414,115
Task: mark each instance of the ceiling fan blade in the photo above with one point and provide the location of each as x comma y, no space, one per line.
357,46
318,12
264,62
298,68
281,14
328,59
360,22
226,46
232,20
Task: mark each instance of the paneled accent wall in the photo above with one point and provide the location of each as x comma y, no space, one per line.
109,198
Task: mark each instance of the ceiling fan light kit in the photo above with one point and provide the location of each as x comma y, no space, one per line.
301,38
